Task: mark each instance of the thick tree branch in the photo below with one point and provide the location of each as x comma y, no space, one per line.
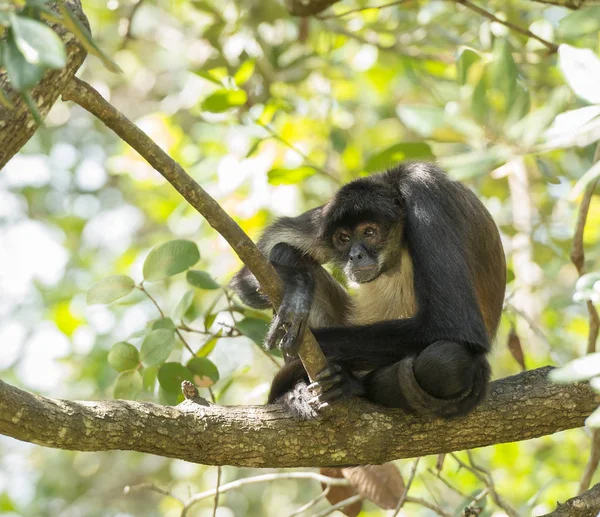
88,98
16,124
584,505
521,407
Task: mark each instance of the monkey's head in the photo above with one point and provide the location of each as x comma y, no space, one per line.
363,225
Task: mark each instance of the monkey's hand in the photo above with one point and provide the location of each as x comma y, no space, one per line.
332,385
291,319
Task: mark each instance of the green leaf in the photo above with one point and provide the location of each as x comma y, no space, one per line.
209,76
157,347
586,20
424,120
38,43
244,72
253,328
503,70
290,176
81,32
581,68
22,74
209,319
479,104
149,378
170,258
397,153
201,279
110,289
466,58
123,356
222,100
128,385
163,323
578,370
183,305
209,346
171,375
205,371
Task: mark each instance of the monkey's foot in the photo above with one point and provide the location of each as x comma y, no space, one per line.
332,385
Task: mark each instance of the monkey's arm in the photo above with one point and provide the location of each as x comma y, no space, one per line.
302,233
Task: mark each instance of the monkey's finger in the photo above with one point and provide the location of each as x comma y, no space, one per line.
329,371
325,384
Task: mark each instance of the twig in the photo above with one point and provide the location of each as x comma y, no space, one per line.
352,11
216,505
592,463
447,483
578,255
88,98
263,479
396,48
485,477
526,32
287,143
154,488
126,27
427,504
162,314
311,503
405,494
342,504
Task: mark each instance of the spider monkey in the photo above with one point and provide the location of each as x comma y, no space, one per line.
427,264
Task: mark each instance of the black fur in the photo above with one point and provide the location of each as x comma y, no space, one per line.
434,362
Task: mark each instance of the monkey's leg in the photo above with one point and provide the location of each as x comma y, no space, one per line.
446,379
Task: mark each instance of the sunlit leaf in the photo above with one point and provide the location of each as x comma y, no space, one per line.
210,344
149,378
466,58
222,100
201,279
123,356
424,120
591,175
157,347
577,370
244,72
171,375
38,43
128,385
594,419
289,176
253,328
110,289
570,121
581,68
170,258
204,370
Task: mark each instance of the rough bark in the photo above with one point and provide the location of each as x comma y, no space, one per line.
521,407
584,505
16,124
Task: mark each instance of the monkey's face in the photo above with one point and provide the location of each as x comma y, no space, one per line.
357,250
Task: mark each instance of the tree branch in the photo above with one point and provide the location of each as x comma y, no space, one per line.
312,7
88,98
584,505
521,407
16,124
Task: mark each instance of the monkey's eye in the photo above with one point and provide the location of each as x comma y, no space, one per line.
344,237
369,231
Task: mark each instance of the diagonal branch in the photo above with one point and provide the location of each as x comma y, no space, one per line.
521,407
584,505
88,98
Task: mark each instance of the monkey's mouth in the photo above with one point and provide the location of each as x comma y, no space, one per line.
364,274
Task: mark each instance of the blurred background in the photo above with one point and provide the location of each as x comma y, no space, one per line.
271,114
